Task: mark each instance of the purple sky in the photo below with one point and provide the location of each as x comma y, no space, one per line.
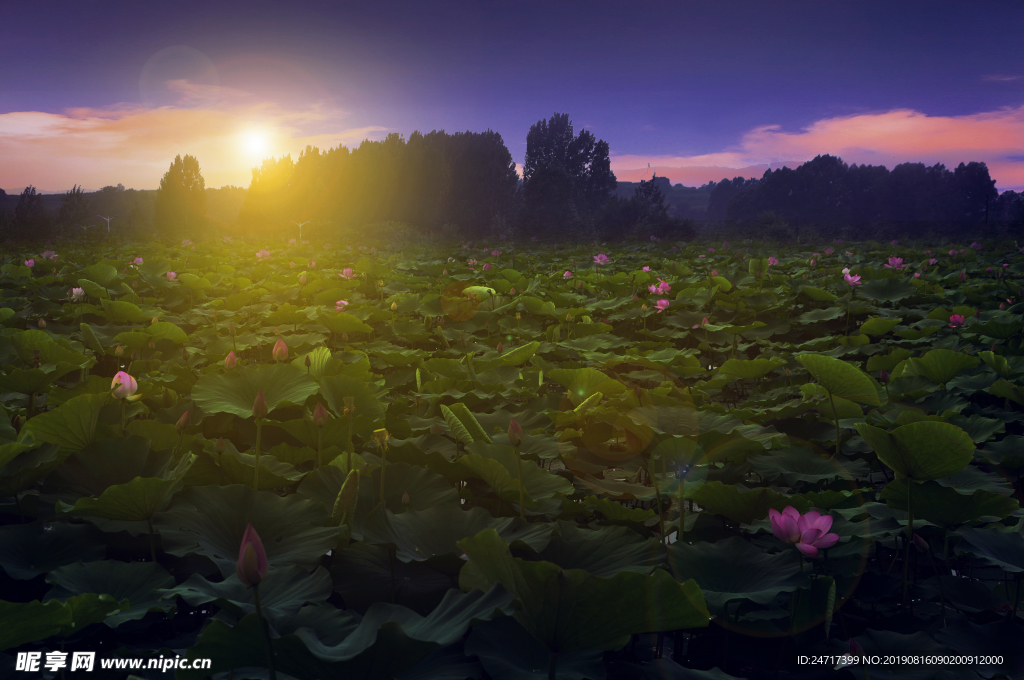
105,92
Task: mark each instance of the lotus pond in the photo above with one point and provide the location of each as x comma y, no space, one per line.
625,461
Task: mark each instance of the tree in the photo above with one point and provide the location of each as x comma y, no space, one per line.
75,208
29,216
567,178
181,198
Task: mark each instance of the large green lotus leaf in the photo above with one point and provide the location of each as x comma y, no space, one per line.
817,294
518,356
946,507
94,289
240,468
940,365
428,533
165,330
840,378
997,330
572,610
108,462
921,451
617,512
31,381
282,593
28,550
743,505
119,311
319,359
972,478
132,581
1007,390
22,622
12,450
368,408
365,574
71,426
497,465
51,351
887,362
103,274
733,569
507,651
1002,549
235,391
886,290
136,501
604,551
826,314
803,465
426,488
344,323
878,326
1004,367
582,383
211,520
750,369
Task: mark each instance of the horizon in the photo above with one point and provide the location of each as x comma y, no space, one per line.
699,93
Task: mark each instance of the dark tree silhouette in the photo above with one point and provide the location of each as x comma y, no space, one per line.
181,198
75,208
29,216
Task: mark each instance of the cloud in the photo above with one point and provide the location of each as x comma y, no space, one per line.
134,144
888,138
1000,78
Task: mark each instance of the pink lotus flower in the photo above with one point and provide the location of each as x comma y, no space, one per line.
772,261
933,261
852,280
487,266
725,245
30,263
495,253
963,276
137,260
917,275
714,272
280,351
652,288
647,269
894,242
347,273
663,286
302,279
956,321
226,239
813,262
600,259
662,305
49,255
76,293
172,276
230,361
252,564
471,263
340,305
312,264
953,252
567,274
262,254
123,385
702,255
829,251
895,263
808,532
291,241
291,265
186,243
976,245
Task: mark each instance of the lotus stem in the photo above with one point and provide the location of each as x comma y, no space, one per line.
522,487
256,474
266,633
835,418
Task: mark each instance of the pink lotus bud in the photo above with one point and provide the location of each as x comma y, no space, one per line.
42,323
123,385
259,406
230,361
280,351
252,558
406,501
119,351
302,279
883,377
219,445
320,415
920,543
500,347
515,433
182,423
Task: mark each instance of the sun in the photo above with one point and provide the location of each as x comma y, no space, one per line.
254,142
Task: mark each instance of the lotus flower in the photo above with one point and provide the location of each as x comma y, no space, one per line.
495,253
280,351
320,415
347,273
829,251
76,293
515,432
772,261
487,266
852,280
600,259
963,276
182,423
172,276
123,385
933,261
30,263
652,289
662,305
956,321
895,263
262,254
252,558
230,361
186,243
808,532
340,305
291,241
567,274
647,269
259,405
711,250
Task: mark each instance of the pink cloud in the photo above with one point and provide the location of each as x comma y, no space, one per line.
888,138
134,145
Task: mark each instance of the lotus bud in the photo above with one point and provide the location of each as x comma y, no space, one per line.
511,291
515,433
302,279
182,423
123,385
135,283
883,377
42,322
394,306
644,307
152,345
406,501
230,361
308,362
154,320
320,415
348,497
350,406
259,406
119,351
280,351
277,332
518,316
344,337
920,543
219,445
1002,305
252,558
500,348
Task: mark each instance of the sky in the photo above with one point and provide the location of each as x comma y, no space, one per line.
104,92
